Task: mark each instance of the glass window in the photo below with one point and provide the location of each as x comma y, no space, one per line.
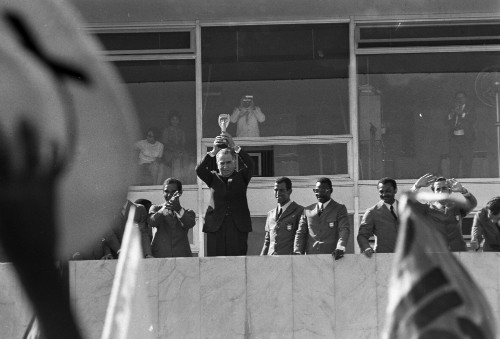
281,80
297,160
428,112
163,93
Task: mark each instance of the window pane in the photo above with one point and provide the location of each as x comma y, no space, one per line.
297,160
163,93
412,118
295,75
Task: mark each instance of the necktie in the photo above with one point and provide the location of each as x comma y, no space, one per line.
279,213
320,209
393,214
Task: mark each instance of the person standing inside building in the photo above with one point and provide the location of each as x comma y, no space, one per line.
444,215
282,222
172,223
247,117
227,233
381,221
460,121
486,226
324,226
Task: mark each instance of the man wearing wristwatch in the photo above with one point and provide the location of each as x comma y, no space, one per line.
444,216
227,231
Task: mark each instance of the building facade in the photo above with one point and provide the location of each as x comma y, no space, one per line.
353,91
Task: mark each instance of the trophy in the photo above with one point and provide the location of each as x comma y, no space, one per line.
223,123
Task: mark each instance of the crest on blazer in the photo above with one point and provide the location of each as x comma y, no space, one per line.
289,227
331,224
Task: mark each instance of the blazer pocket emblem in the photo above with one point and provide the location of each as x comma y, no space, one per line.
289,227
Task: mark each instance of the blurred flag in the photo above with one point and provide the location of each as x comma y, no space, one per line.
128,315
33,330
431,295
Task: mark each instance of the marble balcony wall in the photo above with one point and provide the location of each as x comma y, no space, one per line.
245,297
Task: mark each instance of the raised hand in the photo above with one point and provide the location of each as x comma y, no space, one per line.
425,181
456,186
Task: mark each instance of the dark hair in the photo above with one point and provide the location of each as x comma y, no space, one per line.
325,180
494,205
174,114
173,181
155,132
437,180
287,181
388,180
144,202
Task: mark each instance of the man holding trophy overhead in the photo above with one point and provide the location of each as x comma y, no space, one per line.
228,226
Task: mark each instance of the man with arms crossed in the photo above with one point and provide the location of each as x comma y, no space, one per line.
282,222
381,221
324,227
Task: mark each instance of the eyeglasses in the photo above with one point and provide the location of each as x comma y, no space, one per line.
317,190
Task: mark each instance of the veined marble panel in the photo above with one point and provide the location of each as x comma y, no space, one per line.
355,293
15,310
313,296
179,298
93,278
269,297
383,266
484,269
358,334
223,297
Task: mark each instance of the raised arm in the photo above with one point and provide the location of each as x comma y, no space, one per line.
259,115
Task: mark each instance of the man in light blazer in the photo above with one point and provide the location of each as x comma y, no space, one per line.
486,225
381,221
324,226
282,222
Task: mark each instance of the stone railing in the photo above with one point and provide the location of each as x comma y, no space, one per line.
245,297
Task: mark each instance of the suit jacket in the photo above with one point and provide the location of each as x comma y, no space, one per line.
378,221
483,228
280,234
229,198
321,234
171,238
462,119
448,221
113,238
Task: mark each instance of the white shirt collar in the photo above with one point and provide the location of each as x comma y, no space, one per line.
284,207
394,204
324,204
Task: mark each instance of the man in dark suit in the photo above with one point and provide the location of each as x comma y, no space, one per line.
486,226
461,120
381,220
282,222
324,226
227,232
172,223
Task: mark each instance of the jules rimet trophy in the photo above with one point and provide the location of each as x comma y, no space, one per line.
223,123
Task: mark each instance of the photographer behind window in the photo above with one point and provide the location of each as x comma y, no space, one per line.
247,117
